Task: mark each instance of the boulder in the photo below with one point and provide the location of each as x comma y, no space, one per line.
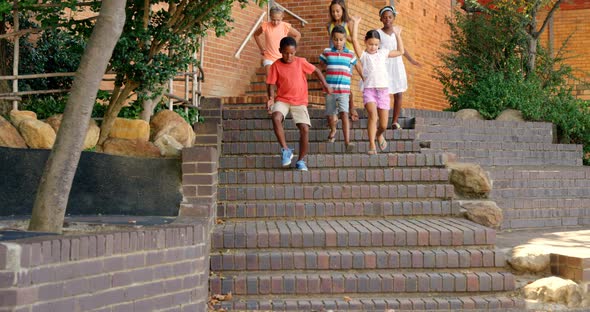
91,135
468,114
17,116
37,134
555,289
130,129
510,115
133,148
530,258
167,122
168,146
484,212
9,136
469,180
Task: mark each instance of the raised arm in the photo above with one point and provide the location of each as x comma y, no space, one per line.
355,29
257,34
294,33
400,45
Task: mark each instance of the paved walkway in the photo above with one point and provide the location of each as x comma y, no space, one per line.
566,241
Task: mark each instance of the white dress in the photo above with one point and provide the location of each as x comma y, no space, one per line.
398,81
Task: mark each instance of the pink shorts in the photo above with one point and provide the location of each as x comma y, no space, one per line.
379,96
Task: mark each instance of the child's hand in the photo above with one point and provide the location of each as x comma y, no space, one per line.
397,30
356,19
416,64
329,90
269,105
354,116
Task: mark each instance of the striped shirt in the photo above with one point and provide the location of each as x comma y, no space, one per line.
339,68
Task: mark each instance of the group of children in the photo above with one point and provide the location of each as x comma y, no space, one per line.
381,69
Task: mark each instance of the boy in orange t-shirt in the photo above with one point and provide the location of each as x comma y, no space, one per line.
287,92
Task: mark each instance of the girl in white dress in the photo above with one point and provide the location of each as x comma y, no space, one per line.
398,81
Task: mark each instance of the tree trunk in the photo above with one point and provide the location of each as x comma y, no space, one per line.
54,189
113,111
150,103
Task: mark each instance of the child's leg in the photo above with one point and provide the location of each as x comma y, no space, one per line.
383,119
383,106
332,122
372,124
397,108
277,124
345,127
303,140
279,111
331,113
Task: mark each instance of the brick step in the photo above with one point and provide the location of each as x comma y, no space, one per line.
481,148
535,173
432,232
558,182
314,113
343,208
324,191
544,192
537,223
480,126
542,202
261,100
260,86
521,159
324,175
335,161
317,124
275,261
315,148
315,135
503,302
567,216
333,283
452,135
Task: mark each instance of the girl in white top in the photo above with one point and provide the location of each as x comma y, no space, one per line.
376,80
398,81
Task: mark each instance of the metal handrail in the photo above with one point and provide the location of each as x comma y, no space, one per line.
243,45
297,17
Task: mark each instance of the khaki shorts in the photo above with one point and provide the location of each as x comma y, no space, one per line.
298,112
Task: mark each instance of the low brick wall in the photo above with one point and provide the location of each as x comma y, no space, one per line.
139,270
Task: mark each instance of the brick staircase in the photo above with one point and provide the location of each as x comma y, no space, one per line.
356,232
536,182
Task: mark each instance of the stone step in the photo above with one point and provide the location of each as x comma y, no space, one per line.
359,260
315,135
326,175
336,161
431,232
315,148
329,191
356,283
331,209
382,303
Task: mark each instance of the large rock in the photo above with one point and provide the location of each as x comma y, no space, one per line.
469,180
17,116
167,122
484,212
468,114
530,258
9,136
555,289
510,115
130,129
168,146
134,148
37,134
92,133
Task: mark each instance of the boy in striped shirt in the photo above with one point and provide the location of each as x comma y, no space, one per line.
338,62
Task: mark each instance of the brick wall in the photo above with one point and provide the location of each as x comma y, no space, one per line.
138,270
573,21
